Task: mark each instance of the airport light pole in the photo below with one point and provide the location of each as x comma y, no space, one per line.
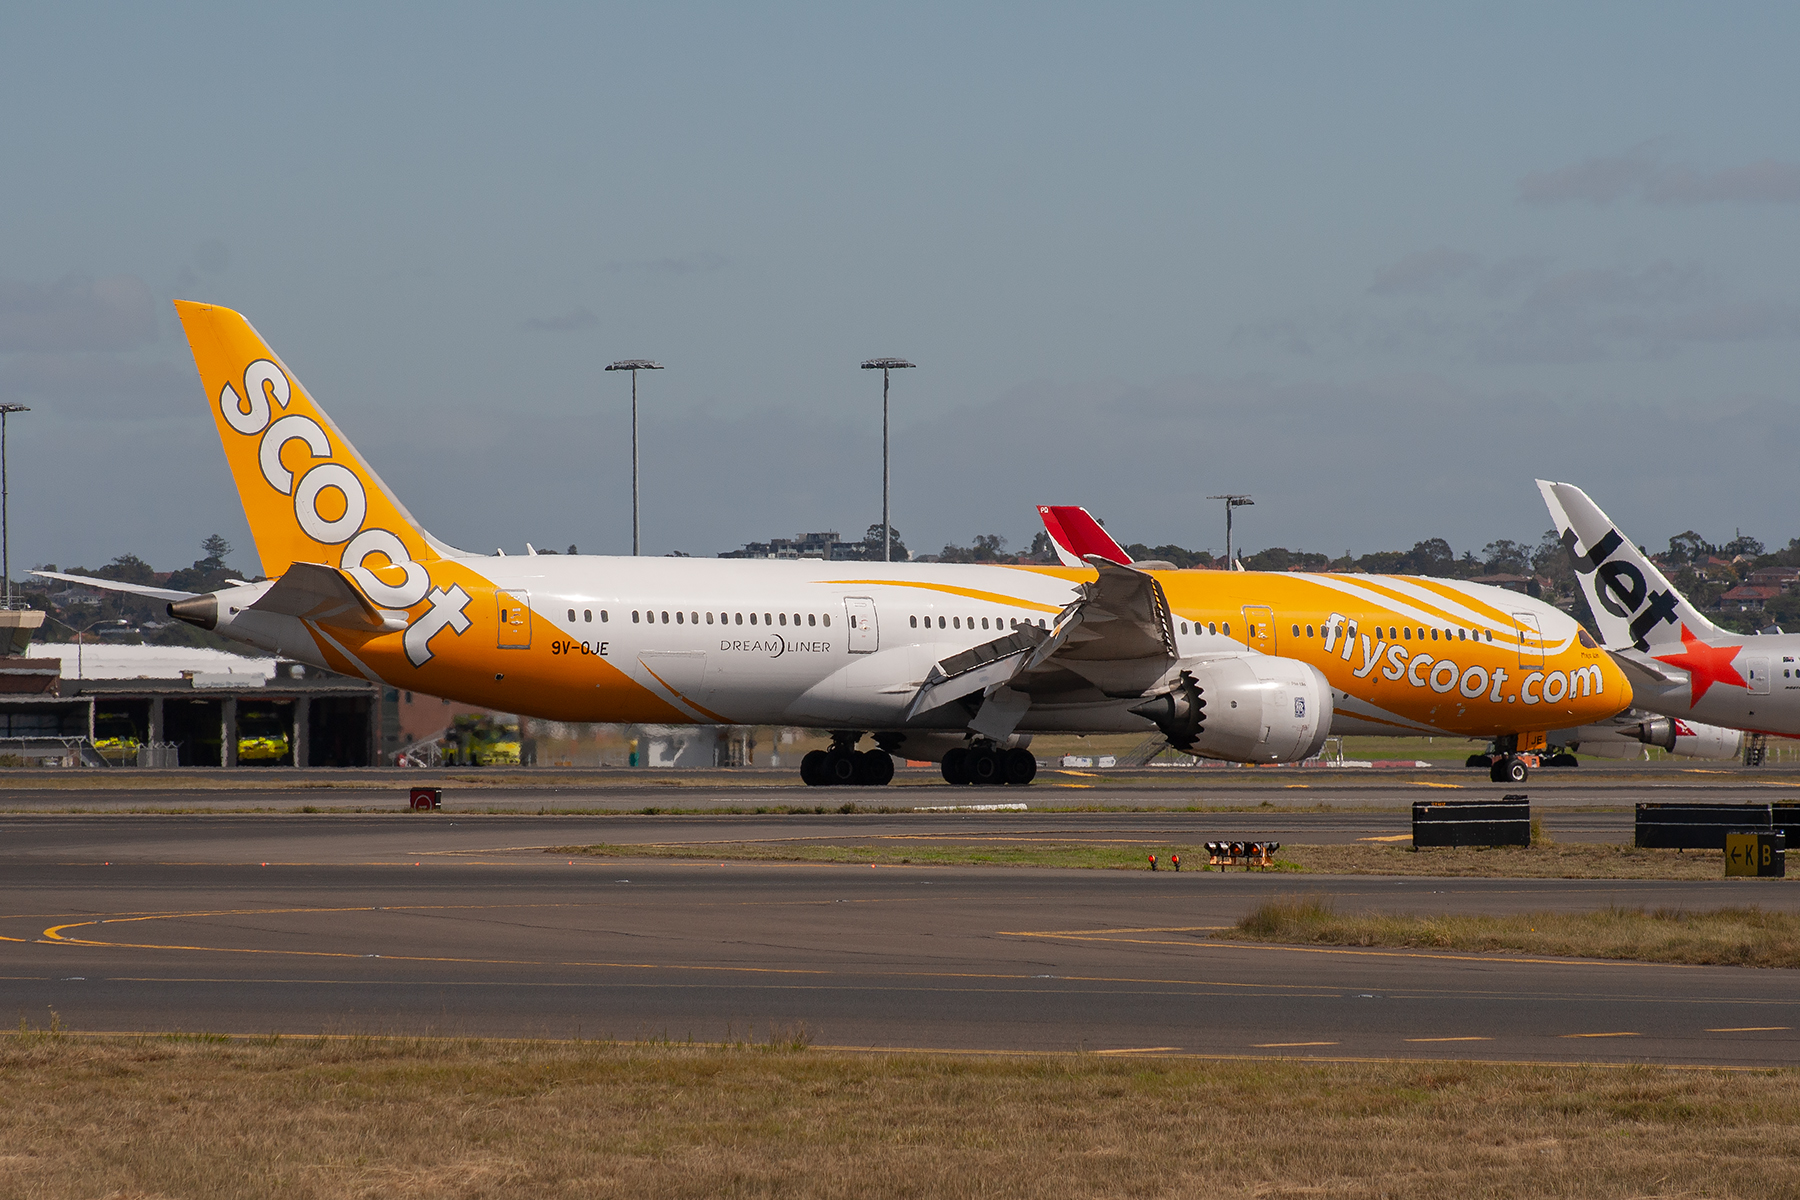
886,366
5,542
634,365
1232,500
115,622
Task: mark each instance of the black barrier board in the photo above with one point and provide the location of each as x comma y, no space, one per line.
1697,826
1505,822
1786,818
1756,852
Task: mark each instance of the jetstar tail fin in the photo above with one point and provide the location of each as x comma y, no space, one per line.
308,494
1075,534
1635,604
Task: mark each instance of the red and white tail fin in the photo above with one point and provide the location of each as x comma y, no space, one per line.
1076,535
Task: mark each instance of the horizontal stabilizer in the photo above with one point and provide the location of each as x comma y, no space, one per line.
327,595
114,585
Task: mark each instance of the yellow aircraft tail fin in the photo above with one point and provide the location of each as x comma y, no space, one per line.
307,493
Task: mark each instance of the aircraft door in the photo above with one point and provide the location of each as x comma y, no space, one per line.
865,634
1756,672
1259,628
515,620
1531,640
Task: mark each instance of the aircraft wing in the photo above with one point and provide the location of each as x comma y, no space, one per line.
314,592
113,585
1115,640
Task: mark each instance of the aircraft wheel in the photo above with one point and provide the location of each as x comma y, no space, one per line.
1021,766
987,767
956,765
812,768
1563,760
1507,769
877,768
1480,760
840,767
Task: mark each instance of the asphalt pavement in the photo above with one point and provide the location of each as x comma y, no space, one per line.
461,925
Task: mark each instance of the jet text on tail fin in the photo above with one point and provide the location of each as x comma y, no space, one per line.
1633,601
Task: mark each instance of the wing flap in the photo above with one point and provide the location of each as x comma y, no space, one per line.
1117,637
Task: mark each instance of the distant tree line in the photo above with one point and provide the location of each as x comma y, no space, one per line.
94,616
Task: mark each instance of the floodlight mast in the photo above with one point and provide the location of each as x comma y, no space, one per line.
634,365
885,366
1232,500
5,539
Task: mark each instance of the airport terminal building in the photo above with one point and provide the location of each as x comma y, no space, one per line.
168,706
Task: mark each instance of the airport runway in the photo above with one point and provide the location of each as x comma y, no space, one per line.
623,791
436,924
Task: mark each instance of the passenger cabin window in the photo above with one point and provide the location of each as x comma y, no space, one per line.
784,618
678,619
571,616
825,620
1296,631
709,618
634,616
753,618
812,619
914,620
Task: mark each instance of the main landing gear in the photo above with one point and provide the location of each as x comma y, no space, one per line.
1512,768
986,763
845,766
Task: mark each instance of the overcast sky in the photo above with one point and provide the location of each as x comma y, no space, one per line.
1377,265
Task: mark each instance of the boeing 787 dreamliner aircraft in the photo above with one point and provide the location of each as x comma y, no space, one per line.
959,663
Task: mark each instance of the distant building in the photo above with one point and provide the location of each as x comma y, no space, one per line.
167,706
1749,597
1784,578
1529,585
823,545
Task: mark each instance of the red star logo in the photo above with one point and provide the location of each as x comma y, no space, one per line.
1705,664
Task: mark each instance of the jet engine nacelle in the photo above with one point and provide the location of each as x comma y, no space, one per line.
1695,740
1251,709
1689,739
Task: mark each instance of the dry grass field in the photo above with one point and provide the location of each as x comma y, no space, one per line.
1582,860
397,1119
1746,936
